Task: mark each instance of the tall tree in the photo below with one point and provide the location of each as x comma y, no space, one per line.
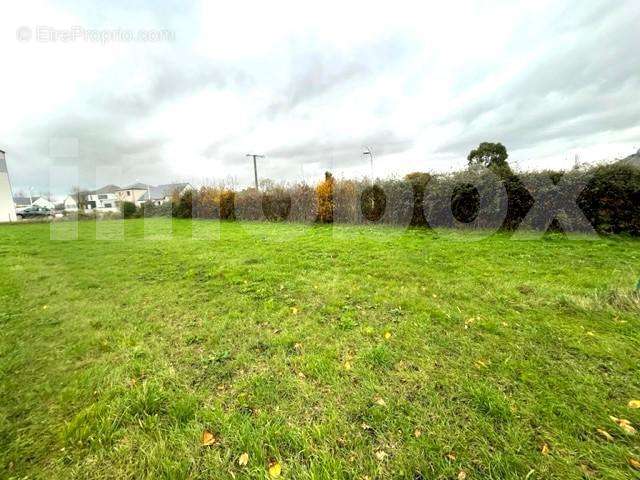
490,155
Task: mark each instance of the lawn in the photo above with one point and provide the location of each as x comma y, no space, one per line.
345,352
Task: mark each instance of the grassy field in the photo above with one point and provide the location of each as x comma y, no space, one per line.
343,352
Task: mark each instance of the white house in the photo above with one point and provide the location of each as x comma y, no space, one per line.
43,202
21,202
104,199
70,204
132,193
140,193
7,208
24,202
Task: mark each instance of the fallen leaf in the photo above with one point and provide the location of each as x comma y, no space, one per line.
604,434
462,475
587,470
294,310
347,365
591,334
367,428
634,404
635,464
381,402
417,433
45,307
451,456
387,335
208,438
274,469
624,425
243,459
381,455
545,449
480,364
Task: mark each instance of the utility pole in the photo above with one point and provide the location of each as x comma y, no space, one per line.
255,167
370,153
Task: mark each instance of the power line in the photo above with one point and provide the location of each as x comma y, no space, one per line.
255,166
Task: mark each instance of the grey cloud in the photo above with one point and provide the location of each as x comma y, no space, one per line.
318,71
575,92
174,77
345,152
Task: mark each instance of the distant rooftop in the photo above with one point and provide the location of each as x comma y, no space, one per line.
163,191
106,189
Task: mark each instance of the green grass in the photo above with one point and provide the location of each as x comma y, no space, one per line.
116,354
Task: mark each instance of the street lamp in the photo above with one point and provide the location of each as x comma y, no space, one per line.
369,152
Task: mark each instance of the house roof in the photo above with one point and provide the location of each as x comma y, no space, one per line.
163,191
27,200
106,189
136,186
23,200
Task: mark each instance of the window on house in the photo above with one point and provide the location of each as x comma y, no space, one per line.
128,193
103,197
107,205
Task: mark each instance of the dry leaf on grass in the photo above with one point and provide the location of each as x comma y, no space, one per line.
274,469
417,433
381,455
480,364
462,475
604,434
544,449
634,463
243,459
367,428
451,456
588,471
387,335
294,310
347,365
625,425
381,402
634,404
208,438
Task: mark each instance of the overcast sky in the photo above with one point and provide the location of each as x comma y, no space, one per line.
309,84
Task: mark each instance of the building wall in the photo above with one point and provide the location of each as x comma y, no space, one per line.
7,208
107,204
70,204
133,197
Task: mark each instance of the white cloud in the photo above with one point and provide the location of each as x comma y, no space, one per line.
311,83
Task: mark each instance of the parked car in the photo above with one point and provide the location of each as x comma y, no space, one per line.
34,212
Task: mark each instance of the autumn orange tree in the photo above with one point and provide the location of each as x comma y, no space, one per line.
324,192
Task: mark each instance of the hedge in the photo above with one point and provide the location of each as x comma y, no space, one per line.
604,198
